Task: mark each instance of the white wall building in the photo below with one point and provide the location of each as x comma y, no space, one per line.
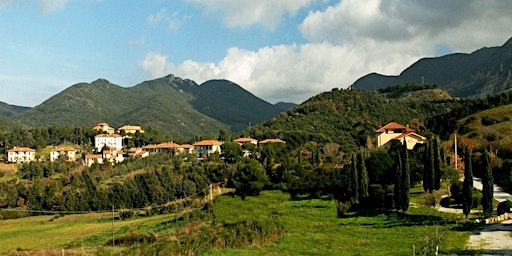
21,155
110,140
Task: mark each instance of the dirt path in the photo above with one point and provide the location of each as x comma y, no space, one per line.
493,239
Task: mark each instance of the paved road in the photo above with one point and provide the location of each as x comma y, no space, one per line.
499,194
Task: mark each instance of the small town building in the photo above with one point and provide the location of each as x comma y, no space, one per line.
108,140
21,155
104,128
130,129
396,131
91,159
207,147
68,153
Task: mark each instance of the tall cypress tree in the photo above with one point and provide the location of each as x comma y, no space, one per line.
355,180
437,165
397,192
363,176
467,185
426,167
428,170
487,185
406,179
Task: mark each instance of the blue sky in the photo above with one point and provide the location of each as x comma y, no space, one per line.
281,50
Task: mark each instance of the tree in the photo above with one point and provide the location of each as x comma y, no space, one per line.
363,176
437,165
467,185
250,178
232,151
487,185
397,192
428,170
354,180
406,179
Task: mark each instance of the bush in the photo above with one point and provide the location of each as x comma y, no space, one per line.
445,202
456,191
505,206
126,214
489,121
490,137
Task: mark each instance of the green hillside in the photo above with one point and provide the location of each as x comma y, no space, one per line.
8,111
350,117
170,104
488,128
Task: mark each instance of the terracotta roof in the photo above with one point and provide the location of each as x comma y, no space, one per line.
167,145
21,149
108,135
186,146
208,143
271,141
93,156
403,135
245,140
130,127
393,126
60,149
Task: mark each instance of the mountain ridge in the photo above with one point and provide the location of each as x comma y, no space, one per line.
477,74
171,104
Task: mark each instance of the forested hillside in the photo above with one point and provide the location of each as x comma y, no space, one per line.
170,104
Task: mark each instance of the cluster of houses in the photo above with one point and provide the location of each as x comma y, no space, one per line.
109,145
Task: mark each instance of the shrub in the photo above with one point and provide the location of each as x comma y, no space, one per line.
489,121
445,202
126,214
456,191
505,206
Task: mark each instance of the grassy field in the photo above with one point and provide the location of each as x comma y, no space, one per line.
311,228
86,232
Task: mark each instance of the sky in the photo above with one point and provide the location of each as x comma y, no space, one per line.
279,50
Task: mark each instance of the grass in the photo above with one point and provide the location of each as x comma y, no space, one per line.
313,228
71,231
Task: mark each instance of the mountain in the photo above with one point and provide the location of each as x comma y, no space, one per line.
171,104
9,111
283,106
487,71
227,102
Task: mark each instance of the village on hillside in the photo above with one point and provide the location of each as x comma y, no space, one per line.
109,147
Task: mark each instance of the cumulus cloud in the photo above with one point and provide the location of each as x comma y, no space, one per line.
348,40
155,64
245,13
173,21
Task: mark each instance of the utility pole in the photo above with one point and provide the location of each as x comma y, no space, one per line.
211,192
456,152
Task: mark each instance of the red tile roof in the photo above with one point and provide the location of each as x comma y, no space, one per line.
208,143
393,126
21,149
271,141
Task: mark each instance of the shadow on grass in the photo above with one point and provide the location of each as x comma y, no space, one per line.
396,219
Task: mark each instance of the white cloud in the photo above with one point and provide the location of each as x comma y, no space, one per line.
45,6
245,13
136,42
346,41
155,64
174,21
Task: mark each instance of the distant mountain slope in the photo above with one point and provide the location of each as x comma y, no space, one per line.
230,104
9,111
171,104
484,72
283,106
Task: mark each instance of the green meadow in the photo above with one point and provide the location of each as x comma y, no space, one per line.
311,227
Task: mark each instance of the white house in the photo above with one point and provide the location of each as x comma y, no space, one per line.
91,159
104,127
110,140
21,155
396,131
130,129
68,153
242,141
207,147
